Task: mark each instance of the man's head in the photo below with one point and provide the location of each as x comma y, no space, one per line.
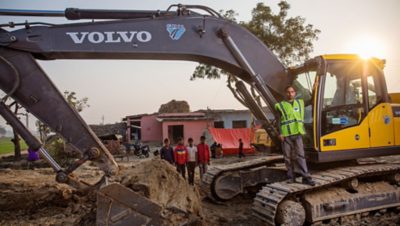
180,140
166,141
202,139
240,140
190,141
290,93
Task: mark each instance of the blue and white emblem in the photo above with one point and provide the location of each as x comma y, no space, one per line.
175,31
386,119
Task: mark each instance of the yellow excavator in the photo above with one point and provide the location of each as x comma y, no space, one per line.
349,114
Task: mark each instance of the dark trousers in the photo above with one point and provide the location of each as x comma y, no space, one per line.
241,154
191,167
203,169
293,152
181,168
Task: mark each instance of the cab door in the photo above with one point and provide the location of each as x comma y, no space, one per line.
380,114
343,123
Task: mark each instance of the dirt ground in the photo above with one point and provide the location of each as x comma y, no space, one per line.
29,195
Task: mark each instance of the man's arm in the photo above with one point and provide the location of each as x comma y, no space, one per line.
196,154
281,137
208,154
308,102
162,153
187,154
173,155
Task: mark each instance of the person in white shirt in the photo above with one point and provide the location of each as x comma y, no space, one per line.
192,161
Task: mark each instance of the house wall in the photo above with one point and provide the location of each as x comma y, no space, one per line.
151,129
193,129
228,117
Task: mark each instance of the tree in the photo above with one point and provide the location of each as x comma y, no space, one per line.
55,144
3,131
78,104
289,38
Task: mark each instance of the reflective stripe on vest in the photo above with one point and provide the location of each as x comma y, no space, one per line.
290,121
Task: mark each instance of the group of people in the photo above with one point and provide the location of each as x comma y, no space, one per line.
216,150
187,157
291,132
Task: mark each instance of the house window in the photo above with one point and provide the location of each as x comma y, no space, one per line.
239,124
219,124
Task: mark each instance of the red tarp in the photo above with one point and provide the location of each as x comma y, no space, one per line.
229,138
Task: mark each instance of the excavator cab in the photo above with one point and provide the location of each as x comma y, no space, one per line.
347,109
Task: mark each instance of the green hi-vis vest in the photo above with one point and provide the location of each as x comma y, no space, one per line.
292,117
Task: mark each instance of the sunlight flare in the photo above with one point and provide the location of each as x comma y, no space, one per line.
368,46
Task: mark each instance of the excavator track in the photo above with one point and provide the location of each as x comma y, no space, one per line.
281,196
222,183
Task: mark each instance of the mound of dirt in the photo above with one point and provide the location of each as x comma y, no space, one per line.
158,181
175,106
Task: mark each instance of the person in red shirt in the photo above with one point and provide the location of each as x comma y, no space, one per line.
203,156
181,157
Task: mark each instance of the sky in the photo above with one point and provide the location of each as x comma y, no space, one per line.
117,88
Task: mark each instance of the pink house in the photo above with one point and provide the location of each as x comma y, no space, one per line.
185,125
154,128
151,129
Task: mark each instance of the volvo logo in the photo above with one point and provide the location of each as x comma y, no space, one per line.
96,37
175,31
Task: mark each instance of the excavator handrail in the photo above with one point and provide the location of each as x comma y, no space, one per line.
79,14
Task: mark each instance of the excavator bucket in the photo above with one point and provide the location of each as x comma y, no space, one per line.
118,205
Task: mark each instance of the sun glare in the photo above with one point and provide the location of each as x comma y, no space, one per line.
367,47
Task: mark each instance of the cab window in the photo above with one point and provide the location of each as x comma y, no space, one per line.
375,94
342,98
304,84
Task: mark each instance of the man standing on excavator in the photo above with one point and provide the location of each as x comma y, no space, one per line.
291,132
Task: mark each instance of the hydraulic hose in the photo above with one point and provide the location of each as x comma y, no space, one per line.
17,79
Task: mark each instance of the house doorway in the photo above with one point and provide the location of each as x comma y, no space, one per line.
174,133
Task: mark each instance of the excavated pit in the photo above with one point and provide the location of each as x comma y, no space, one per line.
32,197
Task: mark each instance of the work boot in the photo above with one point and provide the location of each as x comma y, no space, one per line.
308,181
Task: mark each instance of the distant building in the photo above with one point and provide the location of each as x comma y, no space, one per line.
232,119
134,127
185,125
153,128
110,130
229,118
112,135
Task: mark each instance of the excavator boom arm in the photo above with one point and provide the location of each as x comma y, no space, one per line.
167,35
